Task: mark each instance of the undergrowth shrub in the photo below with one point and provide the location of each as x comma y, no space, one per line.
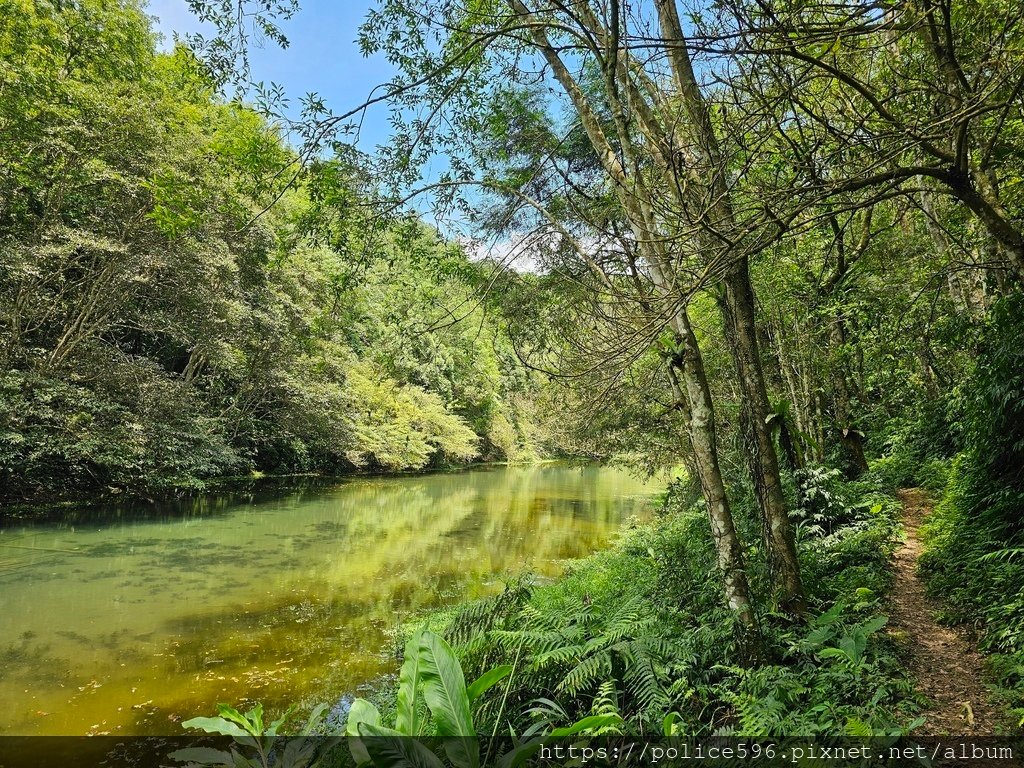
975,537
639,630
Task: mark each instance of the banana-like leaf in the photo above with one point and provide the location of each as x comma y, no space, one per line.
406,720
360,713
251,721
221,726
487,680
389,748
873,625
444,689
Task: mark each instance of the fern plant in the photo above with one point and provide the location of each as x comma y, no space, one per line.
580,650
434,700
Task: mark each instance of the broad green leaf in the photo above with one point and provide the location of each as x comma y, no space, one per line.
406,719
389,748
444,686
215,725
830,616
848,645
444,689
361,712
487,680
873,625
669,724
819,636
230,713
255,718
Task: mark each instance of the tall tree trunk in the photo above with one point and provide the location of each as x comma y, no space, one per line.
762,462
740,326
624,169
850,437
689,382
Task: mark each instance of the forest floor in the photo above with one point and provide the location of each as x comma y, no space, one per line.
944,661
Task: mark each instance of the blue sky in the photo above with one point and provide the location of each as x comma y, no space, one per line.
322,57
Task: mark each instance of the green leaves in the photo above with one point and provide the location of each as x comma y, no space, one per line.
406,720
361,713
389,748
851,647
488,680
245,728
145,292
430,675
215,725
266,747
444,687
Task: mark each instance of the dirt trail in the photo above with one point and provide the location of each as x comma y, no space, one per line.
946,665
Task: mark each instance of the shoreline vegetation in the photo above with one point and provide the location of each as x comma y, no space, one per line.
237,484
778,243
626,613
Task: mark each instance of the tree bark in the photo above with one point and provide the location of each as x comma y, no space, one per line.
638,203
740,326
849,437
690,385
762,462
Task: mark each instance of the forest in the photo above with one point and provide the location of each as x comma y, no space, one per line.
173,313
775,247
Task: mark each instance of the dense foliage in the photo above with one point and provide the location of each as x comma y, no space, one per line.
175,312
974,560
778,243
630,632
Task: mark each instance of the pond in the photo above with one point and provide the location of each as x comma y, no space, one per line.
126,620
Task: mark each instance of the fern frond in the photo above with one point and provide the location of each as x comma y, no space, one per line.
587,673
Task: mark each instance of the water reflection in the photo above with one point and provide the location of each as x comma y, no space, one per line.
125,623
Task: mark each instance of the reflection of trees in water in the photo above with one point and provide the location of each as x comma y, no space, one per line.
320,581
409,545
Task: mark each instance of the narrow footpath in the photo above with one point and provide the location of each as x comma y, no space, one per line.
945,663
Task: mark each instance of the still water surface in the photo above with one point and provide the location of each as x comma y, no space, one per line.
126,621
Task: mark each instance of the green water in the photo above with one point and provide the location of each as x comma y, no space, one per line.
126,621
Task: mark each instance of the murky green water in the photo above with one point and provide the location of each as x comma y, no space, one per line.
115,623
